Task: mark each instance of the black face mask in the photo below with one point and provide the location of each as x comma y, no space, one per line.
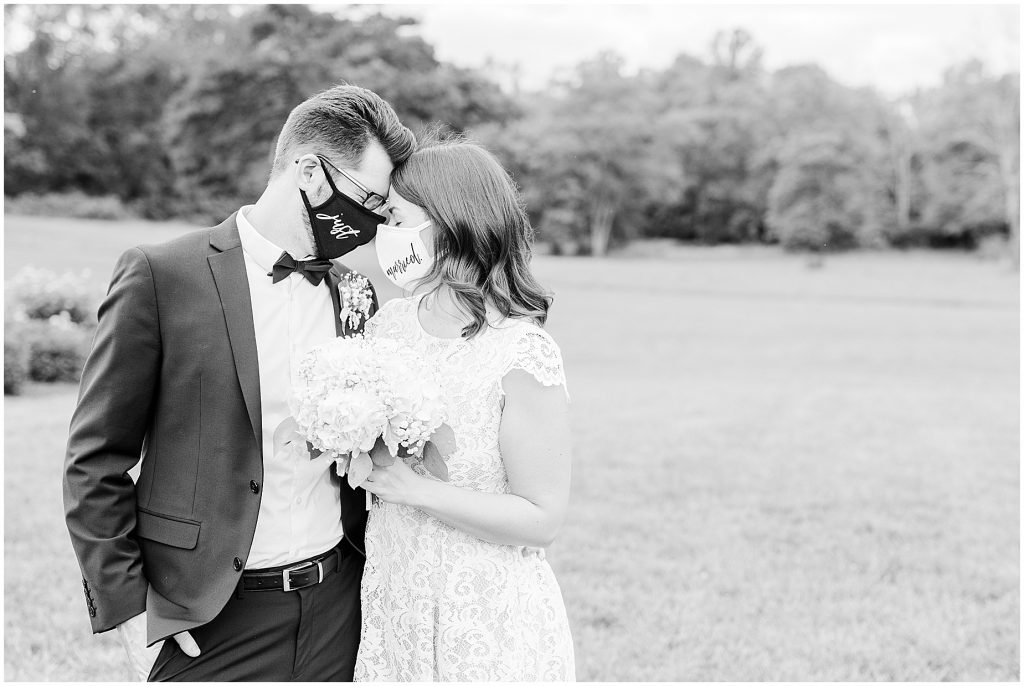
340,224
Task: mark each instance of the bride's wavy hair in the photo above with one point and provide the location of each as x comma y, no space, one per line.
482,235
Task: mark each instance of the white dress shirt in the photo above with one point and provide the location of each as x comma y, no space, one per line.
300,509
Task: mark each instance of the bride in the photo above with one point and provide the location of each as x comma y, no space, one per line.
456,585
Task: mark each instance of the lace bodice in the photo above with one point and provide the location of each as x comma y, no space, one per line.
440,604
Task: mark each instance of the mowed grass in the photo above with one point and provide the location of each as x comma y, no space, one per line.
780,473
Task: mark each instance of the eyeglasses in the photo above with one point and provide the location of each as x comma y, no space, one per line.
372,201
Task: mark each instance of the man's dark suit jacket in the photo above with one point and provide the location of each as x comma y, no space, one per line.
173,379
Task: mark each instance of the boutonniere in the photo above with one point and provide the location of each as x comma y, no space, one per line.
356,296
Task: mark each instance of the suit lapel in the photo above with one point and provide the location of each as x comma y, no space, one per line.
353,512
228,267
332,281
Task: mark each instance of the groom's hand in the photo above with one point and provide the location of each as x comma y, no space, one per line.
141,658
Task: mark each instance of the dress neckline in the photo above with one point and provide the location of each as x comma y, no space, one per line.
416,299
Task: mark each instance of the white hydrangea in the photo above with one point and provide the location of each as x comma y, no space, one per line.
350,391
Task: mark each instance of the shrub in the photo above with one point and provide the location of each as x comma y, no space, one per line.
71,204
50,320
994,247
42,294
57,349
16,359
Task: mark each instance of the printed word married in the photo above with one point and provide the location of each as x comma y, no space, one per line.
340,229
404,263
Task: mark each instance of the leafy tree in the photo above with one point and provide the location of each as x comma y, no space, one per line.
823,197
829,140
44,90
592,156
972,160
715,114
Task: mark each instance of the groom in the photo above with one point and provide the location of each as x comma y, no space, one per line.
245,555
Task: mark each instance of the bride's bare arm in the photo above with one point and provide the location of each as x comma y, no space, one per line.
535,447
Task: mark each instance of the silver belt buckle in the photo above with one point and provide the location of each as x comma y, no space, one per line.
286,574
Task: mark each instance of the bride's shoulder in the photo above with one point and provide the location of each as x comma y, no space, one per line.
533,350
519,328
525,337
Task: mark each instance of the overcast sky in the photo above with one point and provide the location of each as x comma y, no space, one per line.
892,47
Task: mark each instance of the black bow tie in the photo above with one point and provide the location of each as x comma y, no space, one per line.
313,270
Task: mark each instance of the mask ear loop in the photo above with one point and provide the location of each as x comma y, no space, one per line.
305,198
330,181
305,201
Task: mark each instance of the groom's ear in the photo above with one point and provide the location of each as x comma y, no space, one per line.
305,170
308,174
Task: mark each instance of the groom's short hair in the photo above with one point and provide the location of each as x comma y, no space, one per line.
341,121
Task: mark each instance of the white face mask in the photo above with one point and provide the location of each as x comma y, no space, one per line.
403,254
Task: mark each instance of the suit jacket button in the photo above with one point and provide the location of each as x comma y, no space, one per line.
254,487
237,565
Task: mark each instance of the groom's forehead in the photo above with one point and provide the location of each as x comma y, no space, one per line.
376,167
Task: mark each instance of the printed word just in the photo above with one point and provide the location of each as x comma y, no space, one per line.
340,229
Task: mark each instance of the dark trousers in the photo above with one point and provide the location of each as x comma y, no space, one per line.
310,634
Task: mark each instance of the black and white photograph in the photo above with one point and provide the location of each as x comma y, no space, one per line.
529,342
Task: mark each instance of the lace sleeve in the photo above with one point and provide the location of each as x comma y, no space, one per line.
374,322
377,320
537,353
387,321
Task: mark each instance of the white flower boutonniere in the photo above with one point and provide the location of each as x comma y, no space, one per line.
356,300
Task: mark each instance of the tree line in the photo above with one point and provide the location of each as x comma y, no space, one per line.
174,110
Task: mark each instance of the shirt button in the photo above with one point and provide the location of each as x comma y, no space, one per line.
254,487
298,501
237,564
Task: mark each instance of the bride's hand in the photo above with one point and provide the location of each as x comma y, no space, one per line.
395,484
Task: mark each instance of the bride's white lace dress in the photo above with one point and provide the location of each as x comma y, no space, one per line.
439,604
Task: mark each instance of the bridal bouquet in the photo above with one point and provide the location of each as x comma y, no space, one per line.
366,402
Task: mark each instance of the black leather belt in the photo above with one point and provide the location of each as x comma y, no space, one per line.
297,575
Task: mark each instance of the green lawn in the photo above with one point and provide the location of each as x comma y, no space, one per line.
780,473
